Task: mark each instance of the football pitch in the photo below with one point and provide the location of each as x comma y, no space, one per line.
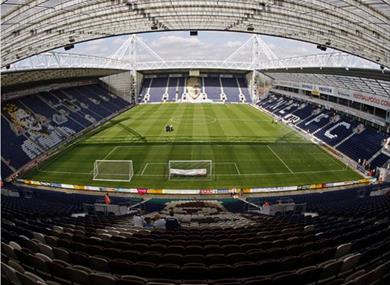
246,149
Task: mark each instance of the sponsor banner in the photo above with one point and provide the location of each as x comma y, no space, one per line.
79,187
304,187
126,190
325,89
207,191
336,184
357,96
372,100
223,191
365,98
67,186
343,93
181,192
317,186
367,180
92,188
315,92
307,87
235,190
109,189
274,189
142,191
155,191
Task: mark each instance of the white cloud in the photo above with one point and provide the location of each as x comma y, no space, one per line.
187,47
172,40
234,44
207,46
98,47
181,47
119,41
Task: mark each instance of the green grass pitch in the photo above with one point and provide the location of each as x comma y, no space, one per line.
246,148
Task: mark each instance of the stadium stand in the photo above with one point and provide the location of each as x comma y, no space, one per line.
157,89
380,160
164,89
358,142
5,169
181,86
316,122
341,129
172,89
212,88
144,92
241,81
347,241
363,145
36,123
230,89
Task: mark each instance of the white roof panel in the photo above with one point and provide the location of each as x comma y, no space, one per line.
360,29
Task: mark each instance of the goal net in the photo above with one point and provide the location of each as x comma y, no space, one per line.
113,170
190,170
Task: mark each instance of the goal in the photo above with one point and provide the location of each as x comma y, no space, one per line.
113,170
190,170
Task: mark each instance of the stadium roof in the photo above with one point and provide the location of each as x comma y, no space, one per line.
368,81
24,79
358,27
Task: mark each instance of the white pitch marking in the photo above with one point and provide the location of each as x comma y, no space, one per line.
259,174
108,154
114,149
242,174
278,157
143,170
238,171
63,172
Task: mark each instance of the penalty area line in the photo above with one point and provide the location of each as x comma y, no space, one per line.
278,157
107,155
143,170
238,171
64,172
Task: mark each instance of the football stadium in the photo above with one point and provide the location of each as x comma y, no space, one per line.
195,142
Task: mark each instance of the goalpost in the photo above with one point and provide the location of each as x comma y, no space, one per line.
190,170
113,170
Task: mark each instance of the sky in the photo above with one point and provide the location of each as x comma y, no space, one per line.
207,45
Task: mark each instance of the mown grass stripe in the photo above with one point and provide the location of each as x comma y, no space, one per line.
221,128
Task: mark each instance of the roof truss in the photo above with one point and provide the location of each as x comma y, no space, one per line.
358,27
